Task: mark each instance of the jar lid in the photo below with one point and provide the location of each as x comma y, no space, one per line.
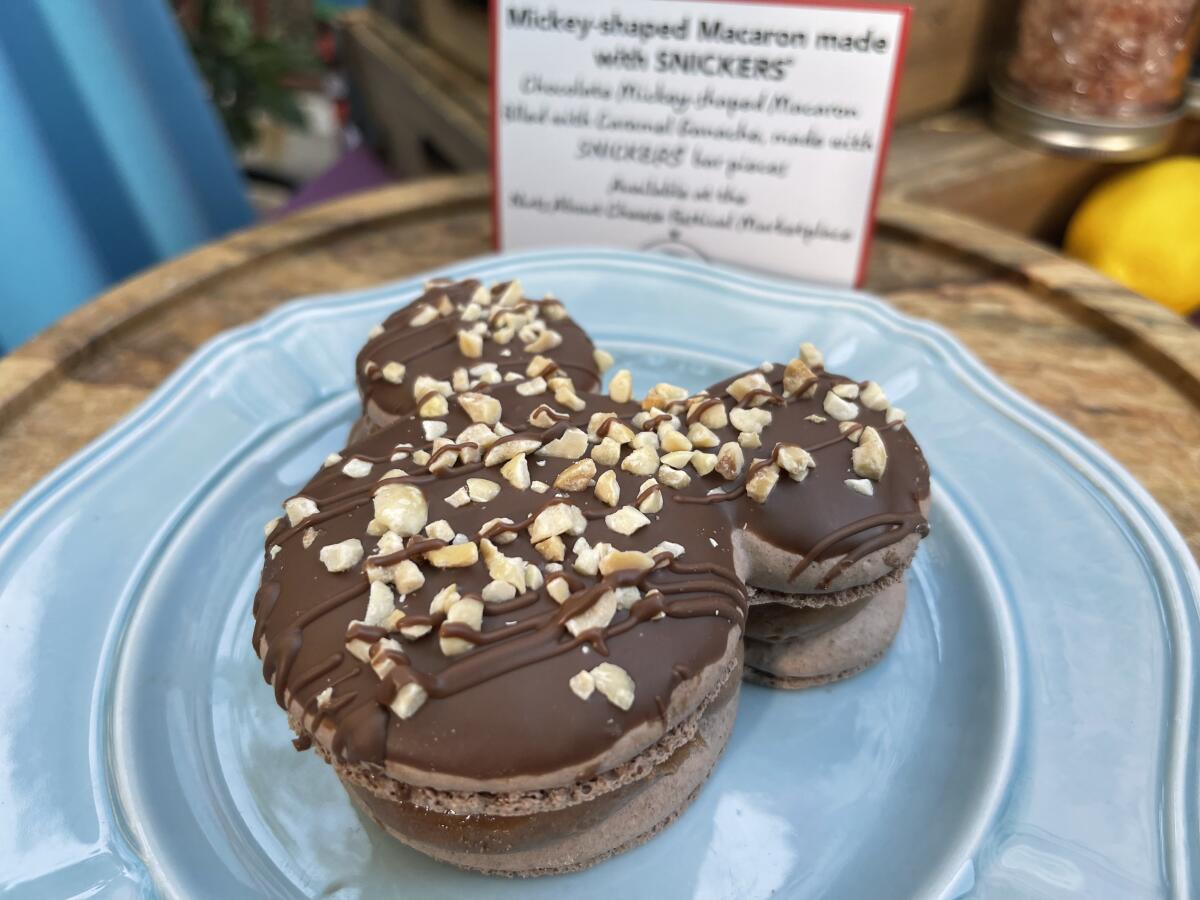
1114,139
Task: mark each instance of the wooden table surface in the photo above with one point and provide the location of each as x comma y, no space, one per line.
1120,369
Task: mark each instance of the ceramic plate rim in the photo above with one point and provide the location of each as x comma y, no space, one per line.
1170,559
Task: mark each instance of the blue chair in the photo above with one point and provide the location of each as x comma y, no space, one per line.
111,157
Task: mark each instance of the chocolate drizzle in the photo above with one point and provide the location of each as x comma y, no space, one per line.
764,394
702,407
544,410
654,421
450,448
606,425
719,496
416,547
546,371
899,525
320,670
540,636
505,607
646,493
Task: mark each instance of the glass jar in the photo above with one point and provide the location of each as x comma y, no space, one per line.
1101,77
1192,100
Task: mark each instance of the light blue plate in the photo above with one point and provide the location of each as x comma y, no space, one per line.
1032,733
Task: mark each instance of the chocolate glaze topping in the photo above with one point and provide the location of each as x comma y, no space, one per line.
432,348
821,518
524,655
503,707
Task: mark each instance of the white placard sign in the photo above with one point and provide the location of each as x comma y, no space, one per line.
752,133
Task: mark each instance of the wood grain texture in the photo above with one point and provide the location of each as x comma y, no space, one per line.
1120,369
458,29
950,47
426,110
955,161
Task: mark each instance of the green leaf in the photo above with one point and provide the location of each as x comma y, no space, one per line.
245,72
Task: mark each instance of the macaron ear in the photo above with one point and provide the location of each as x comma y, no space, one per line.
465,335
822,484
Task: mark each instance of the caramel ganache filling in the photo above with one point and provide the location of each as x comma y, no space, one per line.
470,333
522,574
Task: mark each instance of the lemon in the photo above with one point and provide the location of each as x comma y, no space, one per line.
1142,229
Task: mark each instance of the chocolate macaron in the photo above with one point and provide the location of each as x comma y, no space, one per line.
507,671
835,609
512,620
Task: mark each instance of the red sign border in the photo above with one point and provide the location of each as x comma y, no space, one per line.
905,13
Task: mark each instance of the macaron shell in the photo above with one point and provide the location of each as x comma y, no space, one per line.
827,645
760,597
557,841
